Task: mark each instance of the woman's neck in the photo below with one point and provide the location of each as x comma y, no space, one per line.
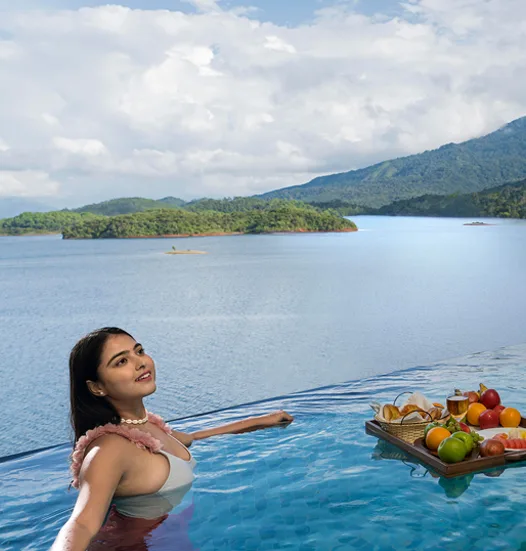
131,410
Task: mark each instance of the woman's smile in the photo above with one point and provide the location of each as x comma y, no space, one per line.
146,376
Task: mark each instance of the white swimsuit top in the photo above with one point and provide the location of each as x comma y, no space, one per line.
148,506
151,506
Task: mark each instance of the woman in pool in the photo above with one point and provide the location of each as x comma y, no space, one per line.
123,453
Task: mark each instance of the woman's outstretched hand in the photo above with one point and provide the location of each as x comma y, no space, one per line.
277,418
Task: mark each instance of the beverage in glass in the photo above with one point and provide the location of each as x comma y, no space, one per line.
457,406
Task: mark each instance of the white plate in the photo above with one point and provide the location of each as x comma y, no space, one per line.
490,433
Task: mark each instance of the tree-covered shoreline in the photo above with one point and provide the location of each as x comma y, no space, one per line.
41,223
272,217
507,201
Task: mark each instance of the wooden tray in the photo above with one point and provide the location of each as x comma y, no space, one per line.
469,465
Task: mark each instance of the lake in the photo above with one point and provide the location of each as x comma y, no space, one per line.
257,317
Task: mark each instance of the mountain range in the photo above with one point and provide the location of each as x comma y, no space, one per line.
466,167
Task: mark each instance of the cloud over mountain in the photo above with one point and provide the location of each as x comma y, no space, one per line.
112,101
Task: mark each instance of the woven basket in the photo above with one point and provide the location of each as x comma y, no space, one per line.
408,431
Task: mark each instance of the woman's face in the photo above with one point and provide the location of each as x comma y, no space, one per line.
125,370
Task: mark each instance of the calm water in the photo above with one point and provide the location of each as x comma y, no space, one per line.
259,316
321,484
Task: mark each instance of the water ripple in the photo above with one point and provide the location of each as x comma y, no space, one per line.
321,483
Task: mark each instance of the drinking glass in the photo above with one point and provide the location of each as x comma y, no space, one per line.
457,405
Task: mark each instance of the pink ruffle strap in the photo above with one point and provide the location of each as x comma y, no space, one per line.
140,438
158,420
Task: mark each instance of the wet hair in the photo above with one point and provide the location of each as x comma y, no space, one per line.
87,410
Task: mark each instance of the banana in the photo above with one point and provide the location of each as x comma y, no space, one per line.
482,388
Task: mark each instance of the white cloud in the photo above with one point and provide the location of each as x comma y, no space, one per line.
27,183
279,45
8,49
112,101
50,119
85,147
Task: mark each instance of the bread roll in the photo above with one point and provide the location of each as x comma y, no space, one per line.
436,413
390,412
408,408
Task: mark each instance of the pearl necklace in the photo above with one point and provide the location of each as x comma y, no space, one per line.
136,421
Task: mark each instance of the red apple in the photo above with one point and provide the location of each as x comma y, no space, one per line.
490,398
491,447
489,419
465,428
499,408
472,395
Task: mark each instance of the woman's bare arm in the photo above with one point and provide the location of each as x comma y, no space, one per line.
102,469
278,418
183,437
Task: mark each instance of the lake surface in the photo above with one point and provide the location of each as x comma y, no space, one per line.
259,316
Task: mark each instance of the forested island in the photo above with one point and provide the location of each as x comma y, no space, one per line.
268,217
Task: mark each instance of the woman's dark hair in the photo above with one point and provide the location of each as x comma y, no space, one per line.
87,410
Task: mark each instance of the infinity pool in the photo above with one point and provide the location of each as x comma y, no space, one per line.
320,484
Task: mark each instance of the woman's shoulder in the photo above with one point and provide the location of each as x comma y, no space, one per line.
111,441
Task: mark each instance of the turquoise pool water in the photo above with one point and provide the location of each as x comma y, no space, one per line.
320,484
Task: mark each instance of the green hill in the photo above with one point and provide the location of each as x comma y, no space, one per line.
238,204
470,166
174,201
507,201
129,205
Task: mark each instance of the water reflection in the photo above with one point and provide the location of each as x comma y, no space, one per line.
453,487
122,533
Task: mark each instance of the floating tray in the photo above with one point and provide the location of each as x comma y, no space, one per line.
471,464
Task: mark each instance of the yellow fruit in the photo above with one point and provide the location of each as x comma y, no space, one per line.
474,411
510,417
435,436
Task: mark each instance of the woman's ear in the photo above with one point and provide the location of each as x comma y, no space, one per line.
95,388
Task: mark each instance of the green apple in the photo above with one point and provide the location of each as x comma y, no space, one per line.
466,438
452,450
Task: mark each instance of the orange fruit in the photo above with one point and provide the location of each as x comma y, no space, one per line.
474,411
510,417
435,436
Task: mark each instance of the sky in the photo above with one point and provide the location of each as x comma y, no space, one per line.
194,98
